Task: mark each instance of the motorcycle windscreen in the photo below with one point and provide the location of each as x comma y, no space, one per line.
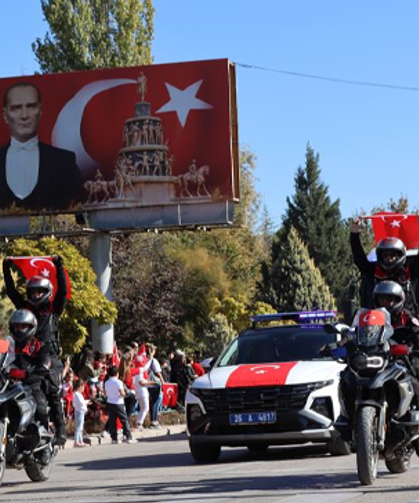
372,327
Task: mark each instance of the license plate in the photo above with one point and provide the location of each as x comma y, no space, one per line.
253,418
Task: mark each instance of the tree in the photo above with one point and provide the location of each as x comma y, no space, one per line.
297,281
319,224
86,301
90,34
218,334
147,288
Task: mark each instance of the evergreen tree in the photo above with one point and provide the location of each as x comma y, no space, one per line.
319,224
89,34
297,282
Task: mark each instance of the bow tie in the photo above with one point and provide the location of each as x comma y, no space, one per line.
23,148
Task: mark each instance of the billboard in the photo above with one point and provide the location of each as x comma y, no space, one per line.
141,146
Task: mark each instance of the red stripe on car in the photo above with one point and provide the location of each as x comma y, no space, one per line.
260,374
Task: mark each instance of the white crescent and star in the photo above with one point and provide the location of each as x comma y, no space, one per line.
43,272
183,101
66,132
393,223
264,369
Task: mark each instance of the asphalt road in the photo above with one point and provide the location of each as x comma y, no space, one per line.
161,470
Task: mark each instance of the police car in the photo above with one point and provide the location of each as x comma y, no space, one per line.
270,386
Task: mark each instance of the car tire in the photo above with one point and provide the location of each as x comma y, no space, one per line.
258,447
204,453
338,447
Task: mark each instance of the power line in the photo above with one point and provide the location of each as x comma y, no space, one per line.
329,79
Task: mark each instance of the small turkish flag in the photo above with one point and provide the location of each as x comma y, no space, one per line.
141,357
170,394
404,227
40,266
115,355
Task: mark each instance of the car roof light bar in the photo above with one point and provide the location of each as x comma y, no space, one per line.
305,316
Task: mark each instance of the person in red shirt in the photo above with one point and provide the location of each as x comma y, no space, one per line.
197,367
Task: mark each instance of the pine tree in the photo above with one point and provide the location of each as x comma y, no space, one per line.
89,34
319,224
297,282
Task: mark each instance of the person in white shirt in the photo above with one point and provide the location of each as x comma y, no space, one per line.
33,174
141,384
114,390
80,408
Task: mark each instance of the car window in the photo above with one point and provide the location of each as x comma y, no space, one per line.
276,345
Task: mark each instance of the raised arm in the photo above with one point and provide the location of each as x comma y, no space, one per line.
59,299
358,253
11,290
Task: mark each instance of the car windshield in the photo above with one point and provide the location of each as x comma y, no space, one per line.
277,344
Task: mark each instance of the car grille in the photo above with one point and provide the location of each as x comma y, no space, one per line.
269,398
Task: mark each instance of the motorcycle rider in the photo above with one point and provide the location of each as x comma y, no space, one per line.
30,356
47,311
389,295
392,265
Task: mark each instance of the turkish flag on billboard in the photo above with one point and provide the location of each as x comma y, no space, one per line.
40,266
170,394
404,227
165,120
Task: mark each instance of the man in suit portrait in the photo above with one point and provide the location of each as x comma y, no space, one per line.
34,175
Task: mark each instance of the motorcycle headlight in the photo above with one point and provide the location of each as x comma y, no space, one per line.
363,362
359,361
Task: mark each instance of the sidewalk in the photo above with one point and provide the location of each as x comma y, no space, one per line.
173,429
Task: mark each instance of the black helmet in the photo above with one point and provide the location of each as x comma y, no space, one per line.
23,325
394,245
392,290
42,285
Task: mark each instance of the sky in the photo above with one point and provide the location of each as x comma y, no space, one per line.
366,135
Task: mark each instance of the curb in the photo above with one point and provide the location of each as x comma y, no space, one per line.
173,429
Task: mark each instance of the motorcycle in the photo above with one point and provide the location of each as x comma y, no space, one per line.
380,400
24,443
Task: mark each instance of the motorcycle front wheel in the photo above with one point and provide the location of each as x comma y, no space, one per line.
367,448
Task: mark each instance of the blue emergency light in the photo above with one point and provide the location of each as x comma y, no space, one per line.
296,316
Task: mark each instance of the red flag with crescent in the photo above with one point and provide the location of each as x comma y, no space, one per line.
141,357
404,227
40,266
170,394
115,355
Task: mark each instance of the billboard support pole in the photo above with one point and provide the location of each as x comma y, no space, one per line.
100,247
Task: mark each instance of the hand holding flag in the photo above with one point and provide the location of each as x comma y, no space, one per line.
40,266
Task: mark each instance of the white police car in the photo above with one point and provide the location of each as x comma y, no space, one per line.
270,386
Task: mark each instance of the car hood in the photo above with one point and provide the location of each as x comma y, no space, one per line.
269,374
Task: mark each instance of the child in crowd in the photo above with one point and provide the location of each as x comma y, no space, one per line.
80,408
67,390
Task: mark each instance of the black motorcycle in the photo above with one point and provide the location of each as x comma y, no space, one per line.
24,443
378,395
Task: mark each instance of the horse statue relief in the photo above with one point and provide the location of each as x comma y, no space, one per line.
194,179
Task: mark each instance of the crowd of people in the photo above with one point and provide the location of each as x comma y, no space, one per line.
110,389
107,389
